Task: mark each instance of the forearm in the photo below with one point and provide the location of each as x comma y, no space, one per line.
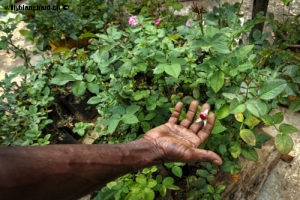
68,171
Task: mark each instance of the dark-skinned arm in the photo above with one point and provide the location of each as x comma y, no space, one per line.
71,171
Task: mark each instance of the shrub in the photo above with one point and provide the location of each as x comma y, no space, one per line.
134,74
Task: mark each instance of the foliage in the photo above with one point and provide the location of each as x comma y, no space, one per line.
70,24
142,185
286,32
23,111
134,75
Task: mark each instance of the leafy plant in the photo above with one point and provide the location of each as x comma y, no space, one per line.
286,32
132,75
68,26
139,186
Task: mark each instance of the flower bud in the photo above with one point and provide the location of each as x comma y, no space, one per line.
157,21
203,114
202,117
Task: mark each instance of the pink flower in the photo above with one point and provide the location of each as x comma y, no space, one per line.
132,21
157,21
187,23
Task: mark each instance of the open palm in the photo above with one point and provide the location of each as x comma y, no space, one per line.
179,142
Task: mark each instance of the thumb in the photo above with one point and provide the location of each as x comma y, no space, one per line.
206,155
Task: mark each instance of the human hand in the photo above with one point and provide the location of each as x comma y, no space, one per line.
179,142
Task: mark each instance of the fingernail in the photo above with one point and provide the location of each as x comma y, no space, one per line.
217,162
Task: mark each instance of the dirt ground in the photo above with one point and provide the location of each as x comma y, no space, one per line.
284,181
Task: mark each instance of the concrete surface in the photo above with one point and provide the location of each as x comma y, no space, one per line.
284,181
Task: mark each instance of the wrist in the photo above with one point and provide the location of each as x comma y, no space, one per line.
144,153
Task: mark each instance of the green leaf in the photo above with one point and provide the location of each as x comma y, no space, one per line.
138,95
148,194
218,127
235,150
160,68
61,50
62,79
87,35
294,106
221,47
202,173
168,181
287,128
126,69
89,77
113,124
93,88
141,179
250,154
217,81
187,99
132,109
211,178
244,51
77,77
222,112
219,42
286,1
145,126
267,119
175,5
248,136
32,134
174,37
277,118
261,139
151,183
173,69
284,143
239,117
236,107
210,189
257,107
150,116
130,119
222,149
162,190
230,96
220,188
110,185
25,33
251,121
78,88
95,100
172,187
177,171
196,93
3,44
80,128
272,88
228,166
